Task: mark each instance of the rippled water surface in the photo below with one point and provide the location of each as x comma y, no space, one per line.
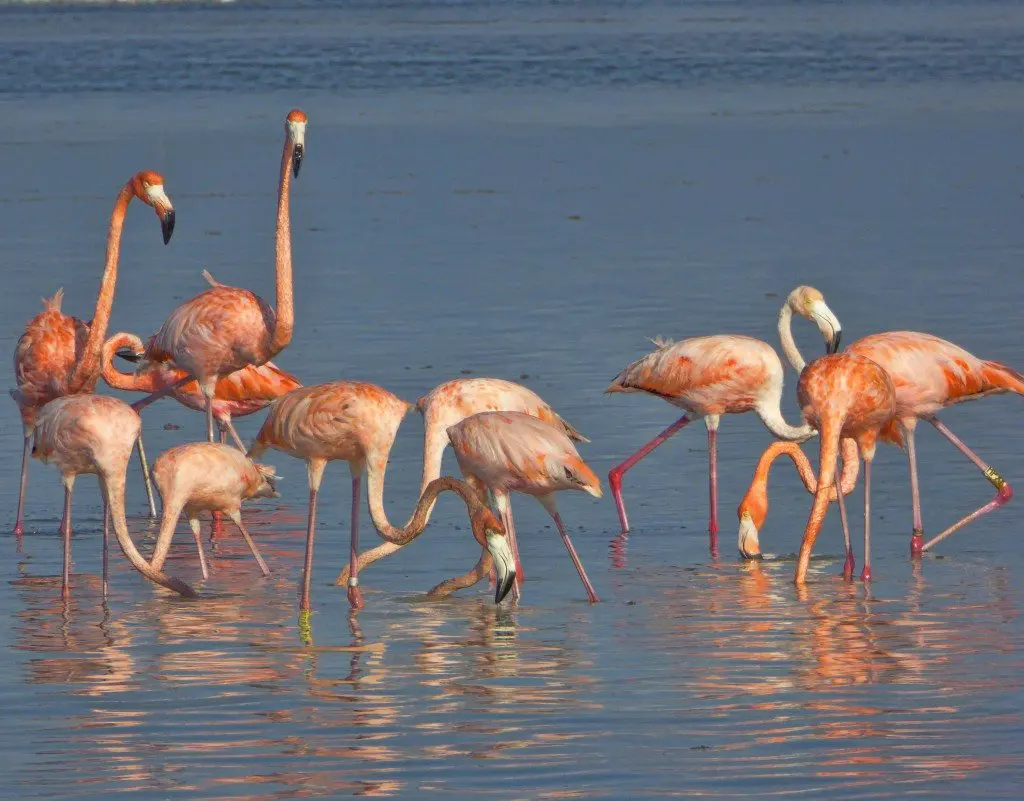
527,190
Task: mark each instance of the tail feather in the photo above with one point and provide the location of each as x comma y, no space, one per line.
1001,377
54,303
210,279
571,431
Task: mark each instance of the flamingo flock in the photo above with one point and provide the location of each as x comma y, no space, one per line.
214,354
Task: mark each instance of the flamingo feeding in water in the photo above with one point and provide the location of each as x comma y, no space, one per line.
452,402
725,374
224,328
96,434
843,396
354,422
928,374
207,476
59,354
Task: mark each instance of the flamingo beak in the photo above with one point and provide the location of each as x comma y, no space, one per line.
297,151
833,343
504,564
167,225
749,545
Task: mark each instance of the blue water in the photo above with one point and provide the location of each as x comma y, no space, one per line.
527,190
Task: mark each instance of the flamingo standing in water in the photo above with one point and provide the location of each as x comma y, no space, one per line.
452,402
96,434
206,476
58,354
354,422
224,328
842,396
725,374
928,374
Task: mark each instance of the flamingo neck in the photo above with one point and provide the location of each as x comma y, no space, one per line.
285,311
789,348
128,382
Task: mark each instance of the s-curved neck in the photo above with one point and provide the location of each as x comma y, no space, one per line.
284,322
789,348
128,382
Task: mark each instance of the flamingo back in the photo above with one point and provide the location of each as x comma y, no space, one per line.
849,392
516,451
210,476
86,434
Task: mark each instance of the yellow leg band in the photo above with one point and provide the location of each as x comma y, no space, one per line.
995,479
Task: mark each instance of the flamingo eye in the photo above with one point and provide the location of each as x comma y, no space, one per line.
571,476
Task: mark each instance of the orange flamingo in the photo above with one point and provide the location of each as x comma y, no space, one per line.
95,434
725,374
355,422
206,476
843,396
512,451
58,354
928,374
452,402
224,328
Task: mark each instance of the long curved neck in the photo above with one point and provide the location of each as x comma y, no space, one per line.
435,440
285,311
88,368
828,450
770,413
129,382
789,348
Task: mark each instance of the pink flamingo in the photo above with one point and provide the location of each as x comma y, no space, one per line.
928,374
450,403
725,374
206,476
224,328
512,451
354,422
96,434
842,396
58,354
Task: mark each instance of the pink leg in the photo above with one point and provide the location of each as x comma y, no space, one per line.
217,526
575,558
865,574
616,474
209,418
917,535
713,489
234,435
65,586
237,519
849,564
19,522
193,523
355,595
1004,492
307,566
106,539
142,403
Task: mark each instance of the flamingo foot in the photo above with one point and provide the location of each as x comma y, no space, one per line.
848,566
865,574
19,529
355,597
917,543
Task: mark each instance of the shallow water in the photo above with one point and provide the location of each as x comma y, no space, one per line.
528,190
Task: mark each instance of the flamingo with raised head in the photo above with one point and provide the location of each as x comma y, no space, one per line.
96,434
211,477
724,374
354,422
843,396
928,374
450,403
225,328
59,354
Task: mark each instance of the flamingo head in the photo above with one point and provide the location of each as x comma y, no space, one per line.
267,484
148,187
810,303
751,513
490,533
581,477
295,127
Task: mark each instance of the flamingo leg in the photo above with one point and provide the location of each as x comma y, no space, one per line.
106,540
307,565
19,522
616,473
865,574
548,502
217,518
144,462
712,424
848,564
1004,492
236,518
355,595
235,437
209,418
917,535
193,523
65,587
142,403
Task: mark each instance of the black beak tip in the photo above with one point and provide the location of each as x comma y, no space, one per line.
503,589
129,355
296,160
754,557
167,226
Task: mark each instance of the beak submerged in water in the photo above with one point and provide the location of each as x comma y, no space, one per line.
167,225
297,152
504,564
749,544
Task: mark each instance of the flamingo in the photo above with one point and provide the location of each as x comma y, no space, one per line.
724,374
59,354
356,422
450,403
843,396
96,434
224,328
512,451
207,476
929,374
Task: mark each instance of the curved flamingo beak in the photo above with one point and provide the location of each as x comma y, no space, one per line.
504,564
749,544
167,224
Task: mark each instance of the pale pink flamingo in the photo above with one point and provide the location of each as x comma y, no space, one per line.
450,403
224,328
58,354
350,421
211,477
725,374
928,374
96,434
843,396
515,452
